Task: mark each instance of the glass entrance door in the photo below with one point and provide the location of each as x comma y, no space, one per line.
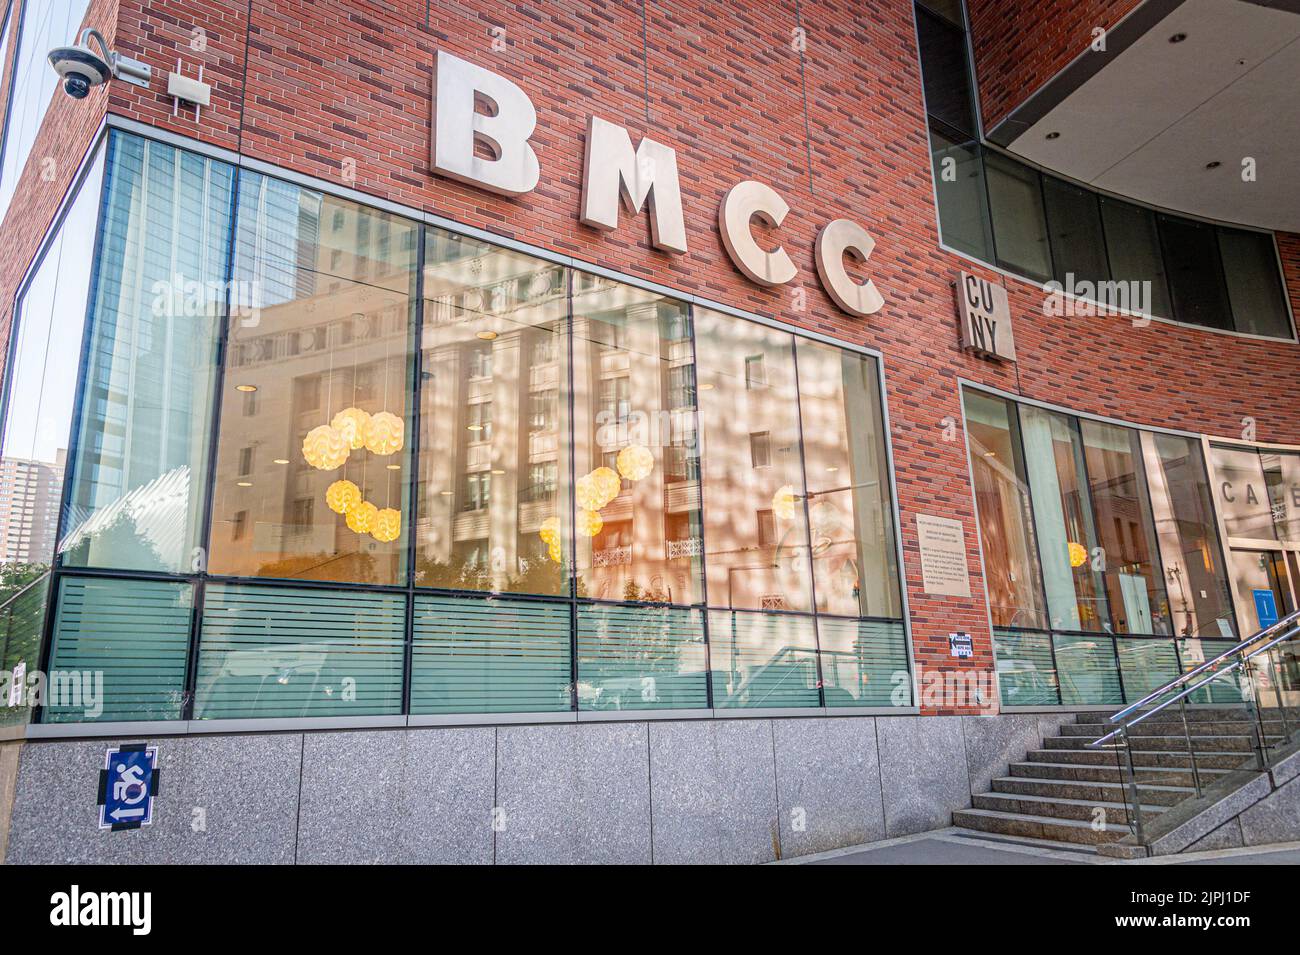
1263,583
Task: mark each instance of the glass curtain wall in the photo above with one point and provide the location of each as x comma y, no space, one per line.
448,477
1101,553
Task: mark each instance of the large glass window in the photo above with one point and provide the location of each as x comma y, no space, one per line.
311,477
1019,224
849,506
1243,492
44,24
1068,544
141,444
494,455
1189,541
1133,253
1255,290
1196,281
1011,570
756,537
40,385
1122,512
1074,220
637,493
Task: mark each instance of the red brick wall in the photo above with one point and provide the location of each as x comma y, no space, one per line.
308,85
1019,46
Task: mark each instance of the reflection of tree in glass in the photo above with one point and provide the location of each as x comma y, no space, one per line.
121,537
358,568
536,576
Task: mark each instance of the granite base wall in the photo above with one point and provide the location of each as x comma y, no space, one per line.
704,791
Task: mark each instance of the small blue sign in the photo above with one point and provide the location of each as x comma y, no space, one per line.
1266,608
128,784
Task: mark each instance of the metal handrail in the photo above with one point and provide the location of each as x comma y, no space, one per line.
1208,664
26,587
1239,662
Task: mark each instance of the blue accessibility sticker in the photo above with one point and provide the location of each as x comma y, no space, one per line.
128,784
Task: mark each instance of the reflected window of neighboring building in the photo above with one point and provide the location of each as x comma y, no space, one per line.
330,357
493,421
1122,513
1068,545
751,465
850,510
1183,510
1012,575
638,534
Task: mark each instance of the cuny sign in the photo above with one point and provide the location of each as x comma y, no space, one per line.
471,104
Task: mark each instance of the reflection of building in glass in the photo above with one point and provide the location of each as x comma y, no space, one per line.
29,508
331,333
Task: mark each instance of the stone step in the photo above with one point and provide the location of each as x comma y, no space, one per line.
1167,744
1037,827
1197,714
1156,775
1058,807
1163,728
1101,792
1141,757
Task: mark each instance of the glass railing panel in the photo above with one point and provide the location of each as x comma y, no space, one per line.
1087,669
763,660
864,662
644,657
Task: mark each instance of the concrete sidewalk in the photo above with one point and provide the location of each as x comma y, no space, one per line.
963,847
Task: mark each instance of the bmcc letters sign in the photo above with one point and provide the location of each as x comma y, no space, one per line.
474,105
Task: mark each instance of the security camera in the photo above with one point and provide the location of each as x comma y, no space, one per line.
80,67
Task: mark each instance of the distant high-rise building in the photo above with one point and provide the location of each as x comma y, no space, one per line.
29,508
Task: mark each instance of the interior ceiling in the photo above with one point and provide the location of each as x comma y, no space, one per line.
1149,122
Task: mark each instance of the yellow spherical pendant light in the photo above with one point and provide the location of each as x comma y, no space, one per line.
383,433
387,525
325,448
590,523
351,423
783,502
342,496
635,462
362,517
553,551
1078,554
549,532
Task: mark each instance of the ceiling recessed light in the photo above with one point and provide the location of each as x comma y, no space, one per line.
498,471
280,461
832,469
1213,165
706,387
445,493
1053,135
393,467
1178,38
244,483
246,388
473,427
487,336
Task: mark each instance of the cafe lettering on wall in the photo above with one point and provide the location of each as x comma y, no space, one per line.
473,105
985,315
